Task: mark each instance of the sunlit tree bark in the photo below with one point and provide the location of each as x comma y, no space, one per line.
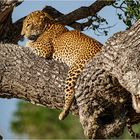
103,90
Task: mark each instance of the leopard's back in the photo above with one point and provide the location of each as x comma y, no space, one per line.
73,45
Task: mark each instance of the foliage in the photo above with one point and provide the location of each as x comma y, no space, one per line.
40,122
129,11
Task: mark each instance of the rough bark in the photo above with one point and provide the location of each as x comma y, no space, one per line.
117,65
30,76
7,29
39,81
125,64
103,90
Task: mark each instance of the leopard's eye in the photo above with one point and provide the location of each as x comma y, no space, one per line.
28,25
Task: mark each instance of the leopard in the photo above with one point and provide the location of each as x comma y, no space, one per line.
52,40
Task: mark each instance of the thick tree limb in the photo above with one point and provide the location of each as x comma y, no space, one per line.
126,68
26,76
120,57
21,72
126,63
84,12
55,14
103,104
120,54
76,25
8,32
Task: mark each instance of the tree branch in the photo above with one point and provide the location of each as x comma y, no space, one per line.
102,104
7,32
1,137
21,72
80,13
84,12
55,14
69,19
126,63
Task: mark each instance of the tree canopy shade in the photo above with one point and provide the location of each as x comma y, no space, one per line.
104,88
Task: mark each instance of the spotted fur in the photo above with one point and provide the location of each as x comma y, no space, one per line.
51,39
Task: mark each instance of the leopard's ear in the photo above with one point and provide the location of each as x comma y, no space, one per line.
48,16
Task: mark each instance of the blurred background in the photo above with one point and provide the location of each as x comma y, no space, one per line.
20,119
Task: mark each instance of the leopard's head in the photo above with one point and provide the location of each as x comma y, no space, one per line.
35,24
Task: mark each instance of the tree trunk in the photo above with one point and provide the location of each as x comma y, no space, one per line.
9,32
26,76
111,78
103,90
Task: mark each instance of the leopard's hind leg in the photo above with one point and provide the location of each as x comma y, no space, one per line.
73,74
